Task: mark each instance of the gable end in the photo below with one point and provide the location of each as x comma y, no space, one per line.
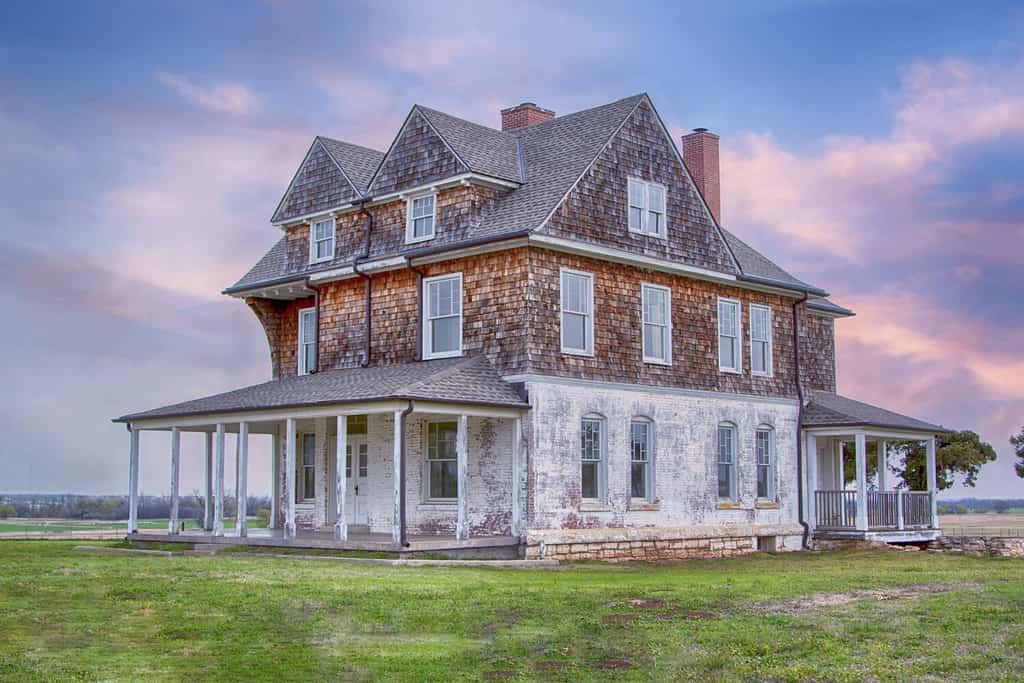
418,155
318,185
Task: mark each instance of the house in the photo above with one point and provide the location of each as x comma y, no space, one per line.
540,340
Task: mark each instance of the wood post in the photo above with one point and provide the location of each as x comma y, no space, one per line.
340,484
932,479
218,484
862,487
517,463
462,470
208,482
396,527
275,478
241,481
289,466
133,481
811,461
172,524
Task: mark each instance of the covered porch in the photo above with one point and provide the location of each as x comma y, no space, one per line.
423,456
875,507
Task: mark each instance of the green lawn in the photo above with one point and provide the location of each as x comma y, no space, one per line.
71,525
68,614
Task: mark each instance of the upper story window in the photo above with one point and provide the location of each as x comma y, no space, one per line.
760,340
730,357
726,461
321,240
307,341
420,223
641,455
764,443
646,207
657,322
442,320
592,458
577,313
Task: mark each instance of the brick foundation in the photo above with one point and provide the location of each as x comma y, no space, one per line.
995,546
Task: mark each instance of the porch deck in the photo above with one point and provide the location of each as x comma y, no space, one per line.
324,540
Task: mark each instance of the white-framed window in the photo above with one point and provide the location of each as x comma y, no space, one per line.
657,323
577,312
321,240
307,341
420,211
760,340
442,316
641,459
764,447
730,355
593,443
726,461
646,207
441,479
307,480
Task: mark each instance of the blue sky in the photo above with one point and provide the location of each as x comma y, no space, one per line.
871,148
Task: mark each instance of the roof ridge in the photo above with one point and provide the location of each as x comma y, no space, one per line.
425,108
549,122
350,144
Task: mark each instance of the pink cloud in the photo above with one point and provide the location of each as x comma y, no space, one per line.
228,97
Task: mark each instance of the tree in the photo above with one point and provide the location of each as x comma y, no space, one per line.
1000,506
7,511
957,454
1018,446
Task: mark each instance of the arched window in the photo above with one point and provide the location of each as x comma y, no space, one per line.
764,450
593,460
641,457
727,461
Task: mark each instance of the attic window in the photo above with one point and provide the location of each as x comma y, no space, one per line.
420,224
646,207
321,240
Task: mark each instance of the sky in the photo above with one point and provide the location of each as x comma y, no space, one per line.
872,149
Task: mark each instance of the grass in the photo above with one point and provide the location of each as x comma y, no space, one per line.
72,615
57,526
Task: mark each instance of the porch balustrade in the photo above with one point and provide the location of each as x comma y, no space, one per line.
886,510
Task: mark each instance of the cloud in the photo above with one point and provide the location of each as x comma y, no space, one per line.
227,98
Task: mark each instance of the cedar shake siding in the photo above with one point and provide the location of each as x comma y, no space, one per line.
417,157
818,352
595,211
618,354
318,185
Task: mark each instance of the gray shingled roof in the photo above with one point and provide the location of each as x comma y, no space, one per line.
826,409
829,307
555,154
470,380
359,163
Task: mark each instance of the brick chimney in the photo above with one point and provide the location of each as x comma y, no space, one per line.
524,115
700,154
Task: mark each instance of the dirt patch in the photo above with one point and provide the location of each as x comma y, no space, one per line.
504,621
614,664
639,603
618,618
803,627
550,666
820,601
499,675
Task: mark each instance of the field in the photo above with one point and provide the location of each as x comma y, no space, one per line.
839,616
983,524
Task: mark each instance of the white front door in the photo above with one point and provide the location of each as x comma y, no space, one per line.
357,478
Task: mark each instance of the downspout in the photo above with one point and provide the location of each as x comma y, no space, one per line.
805,541
402,478
316,340
367,226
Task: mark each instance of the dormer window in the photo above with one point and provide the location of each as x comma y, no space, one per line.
420,223
646,207
321,240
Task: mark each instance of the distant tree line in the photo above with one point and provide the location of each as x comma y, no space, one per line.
73,506
966,505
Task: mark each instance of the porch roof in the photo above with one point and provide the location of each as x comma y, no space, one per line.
472,381
827,409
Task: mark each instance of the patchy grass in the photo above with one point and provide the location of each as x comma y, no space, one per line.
840,616
57,526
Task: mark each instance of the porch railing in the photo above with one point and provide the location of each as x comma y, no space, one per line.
837,510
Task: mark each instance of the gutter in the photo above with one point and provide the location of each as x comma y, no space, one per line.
805,539
804,288
419,307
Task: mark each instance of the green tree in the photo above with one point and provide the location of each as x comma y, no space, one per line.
7,511
957,454
1018,446
1000,506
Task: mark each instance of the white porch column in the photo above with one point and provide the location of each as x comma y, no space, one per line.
932,479
340,485
396,527
517,459
208,482
883,465
462,469
218,484
811,460
275,477
840,471
241,481
133,481
289,475
862,485
172,524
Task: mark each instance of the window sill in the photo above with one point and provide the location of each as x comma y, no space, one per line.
642,505
314,262
418,240
730,371
655,361
766,375
438,505
585,354
305,504
642,233
438,356
594,506
729,505
767,505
